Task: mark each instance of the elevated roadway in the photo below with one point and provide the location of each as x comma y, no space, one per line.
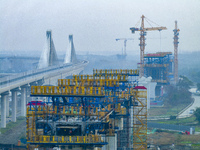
48,73
12,82
21,82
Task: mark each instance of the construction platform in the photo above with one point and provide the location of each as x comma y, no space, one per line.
159,67
88,112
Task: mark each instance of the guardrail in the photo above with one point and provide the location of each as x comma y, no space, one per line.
30,74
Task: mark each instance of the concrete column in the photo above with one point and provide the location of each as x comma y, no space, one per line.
23,101
3,111
28,98
7,106
14,105
131,128
105,146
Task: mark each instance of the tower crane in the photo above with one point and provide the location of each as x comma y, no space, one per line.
143,32
176,34
125,40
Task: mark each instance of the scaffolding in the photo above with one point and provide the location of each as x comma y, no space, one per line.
140,118
83,111
159,67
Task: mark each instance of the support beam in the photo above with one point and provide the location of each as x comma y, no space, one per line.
23,101
14,105
3,111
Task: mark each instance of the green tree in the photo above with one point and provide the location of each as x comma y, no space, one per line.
184,82
176,95
197,114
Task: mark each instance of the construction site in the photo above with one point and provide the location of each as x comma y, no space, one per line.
106,110
87,111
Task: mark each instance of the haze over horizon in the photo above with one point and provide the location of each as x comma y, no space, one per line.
96,24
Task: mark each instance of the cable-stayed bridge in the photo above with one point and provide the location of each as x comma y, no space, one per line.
48,72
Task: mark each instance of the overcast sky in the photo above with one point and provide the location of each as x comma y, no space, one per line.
95,24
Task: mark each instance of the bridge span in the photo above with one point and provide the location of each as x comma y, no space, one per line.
48,73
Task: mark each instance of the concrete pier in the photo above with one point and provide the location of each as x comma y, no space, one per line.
3,111
7,106
14,105
23,101
112,142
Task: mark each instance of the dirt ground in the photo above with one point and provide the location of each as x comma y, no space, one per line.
158,138
164,138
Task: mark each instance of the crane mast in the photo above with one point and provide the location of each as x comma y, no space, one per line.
142,46
142,38
176,34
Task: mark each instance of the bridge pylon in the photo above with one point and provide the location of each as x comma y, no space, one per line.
49,56
70,56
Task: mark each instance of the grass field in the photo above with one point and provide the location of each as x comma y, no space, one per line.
183,121
11,125
167,110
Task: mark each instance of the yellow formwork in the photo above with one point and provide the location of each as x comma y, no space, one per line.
120,78
89,82
78,91
67,91
39,139
69,111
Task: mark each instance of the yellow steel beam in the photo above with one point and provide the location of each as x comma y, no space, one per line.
89,82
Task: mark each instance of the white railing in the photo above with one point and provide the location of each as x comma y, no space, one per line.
9,80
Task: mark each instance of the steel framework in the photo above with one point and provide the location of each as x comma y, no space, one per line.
143,33
159,67
81,111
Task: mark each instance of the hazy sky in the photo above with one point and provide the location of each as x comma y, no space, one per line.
95,24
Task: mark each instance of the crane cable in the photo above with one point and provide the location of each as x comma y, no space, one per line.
152,22
137,23
148,22
158,30
160,42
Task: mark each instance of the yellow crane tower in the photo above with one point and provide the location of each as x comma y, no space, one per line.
142,38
